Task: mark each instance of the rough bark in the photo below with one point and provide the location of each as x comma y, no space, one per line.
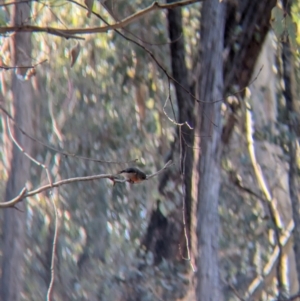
208,149
293,125
185,114
165,245
18,165
252,17
184,101
236,62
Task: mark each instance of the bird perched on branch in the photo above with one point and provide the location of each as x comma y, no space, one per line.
133,175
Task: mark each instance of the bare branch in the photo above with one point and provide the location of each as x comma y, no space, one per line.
14,201
278,224
238,183
113,177
5,67
22,195
166,114
55,236
169,163
152,55
259,175
25,153
69,33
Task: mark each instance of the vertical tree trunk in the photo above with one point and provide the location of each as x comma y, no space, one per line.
184,102
293,124
18,165
208,149
166,245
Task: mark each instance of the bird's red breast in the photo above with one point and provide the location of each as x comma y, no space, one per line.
133,175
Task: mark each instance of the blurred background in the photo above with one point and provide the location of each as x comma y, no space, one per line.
128,242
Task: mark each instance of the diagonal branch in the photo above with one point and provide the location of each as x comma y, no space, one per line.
279,255
14,201
169,163
22,194
25,153
259,175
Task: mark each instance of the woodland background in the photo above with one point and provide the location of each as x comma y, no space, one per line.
211,86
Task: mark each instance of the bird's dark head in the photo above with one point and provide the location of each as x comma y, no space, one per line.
143,176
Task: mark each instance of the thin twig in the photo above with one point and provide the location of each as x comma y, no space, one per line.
169,163
164,70
174,121
22,195
25,153
5,67
241,186
69,33
55,236
166,114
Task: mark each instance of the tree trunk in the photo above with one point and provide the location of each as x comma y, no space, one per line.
18,165
293,124
207,151
184,102
253,17
170,229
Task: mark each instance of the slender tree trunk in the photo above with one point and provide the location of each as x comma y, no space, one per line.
18,165
208,149
184,102
166,245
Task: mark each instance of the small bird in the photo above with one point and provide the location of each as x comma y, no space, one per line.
133,175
